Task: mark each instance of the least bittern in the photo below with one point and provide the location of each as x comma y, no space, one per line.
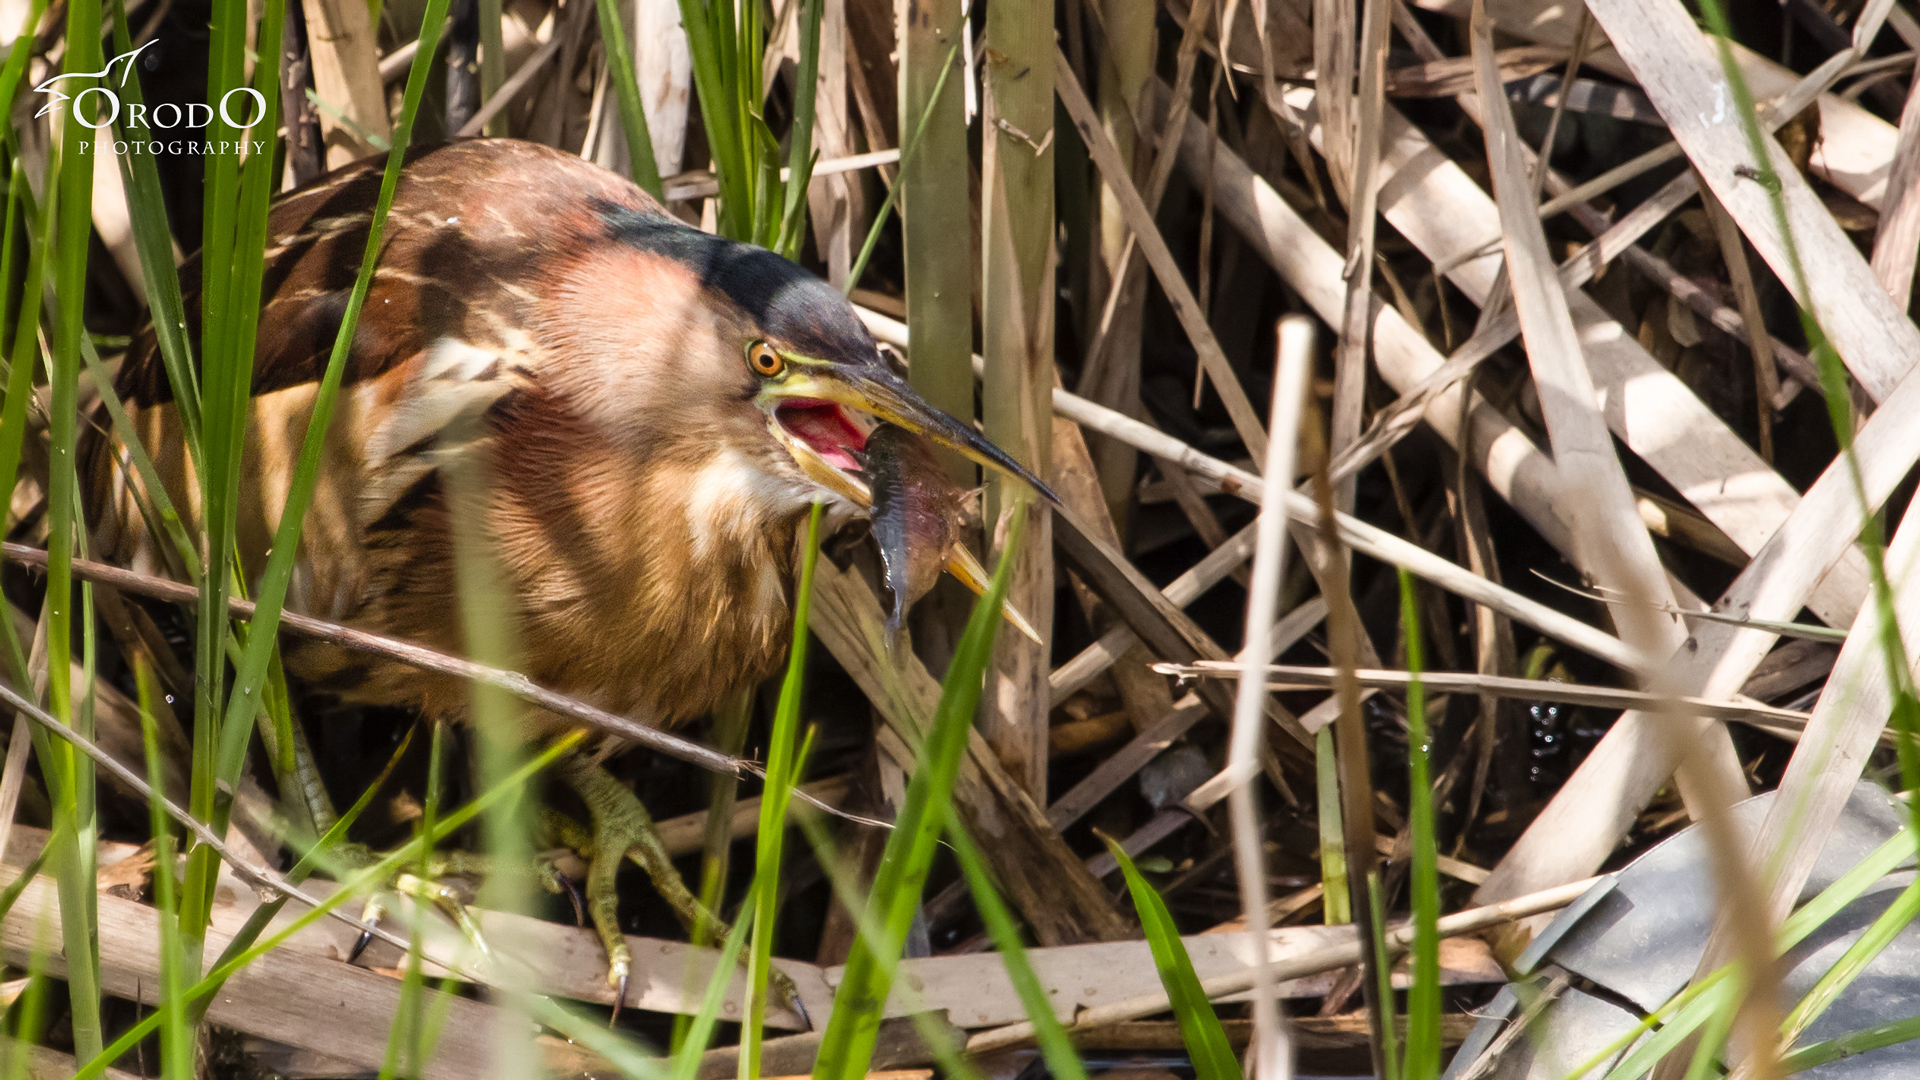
656,410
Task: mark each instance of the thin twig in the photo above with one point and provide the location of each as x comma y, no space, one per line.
1294,677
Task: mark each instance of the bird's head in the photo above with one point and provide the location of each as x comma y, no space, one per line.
752,362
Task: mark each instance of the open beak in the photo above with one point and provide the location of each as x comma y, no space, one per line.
807,413
885,396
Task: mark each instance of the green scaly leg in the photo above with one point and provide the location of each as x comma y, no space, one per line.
622,828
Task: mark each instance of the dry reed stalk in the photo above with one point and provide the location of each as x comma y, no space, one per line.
1017,339
1106,155
1516,469
1043,878
346,74
1359,146
1649,409
1614,544
1837,742
1896,243
1271,1056
1294,677
1660,42
1733,252
939,281
1111,371
273,997
1144,694
1335,27
836,203
1124,763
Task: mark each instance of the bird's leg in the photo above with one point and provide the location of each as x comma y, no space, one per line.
622,828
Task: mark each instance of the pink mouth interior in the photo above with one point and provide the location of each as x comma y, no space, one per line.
826,429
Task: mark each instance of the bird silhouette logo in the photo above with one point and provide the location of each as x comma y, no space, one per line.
56,95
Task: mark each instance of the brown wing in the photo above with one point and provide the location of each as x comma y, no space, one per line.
472,232
472,226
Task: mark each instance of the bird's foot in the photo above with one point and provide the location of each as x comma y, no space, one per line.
441,893
443,883
622,829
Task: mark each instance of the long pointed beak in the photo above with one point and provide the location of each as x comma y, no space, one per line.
884,395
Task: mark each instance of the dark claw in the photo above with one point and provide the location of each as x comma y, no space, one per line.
573,894
800,1007
619,999
360,946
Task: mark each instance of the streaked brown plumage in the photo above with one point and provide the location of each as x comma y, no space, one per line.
656,410
644,514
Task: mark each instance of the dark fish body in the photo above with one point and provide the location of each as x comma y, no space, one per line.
916,514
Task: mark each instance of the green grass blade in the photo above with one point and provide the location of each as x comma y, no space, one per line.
251,673
302,869
783,772
1809,917
11,894
947,1055
169,525
728,735
404,1037
1200,1026
1833,384
493,63
490,635
23,356
1850,1044
847,1045
800,155
29,1014
1423,996
709,26
17,57
1063,1061
686,1060
1705,1063
633,118
177,1040
618,1050
1383,972
1835,980
408,1038
68,784
146,210
232,256
1705,1000
1847,888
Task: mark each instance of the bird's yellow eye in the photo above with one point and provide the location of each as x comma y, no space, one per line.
762,358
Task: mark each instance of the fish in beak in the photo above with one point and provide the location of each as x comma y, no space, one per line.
891,472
